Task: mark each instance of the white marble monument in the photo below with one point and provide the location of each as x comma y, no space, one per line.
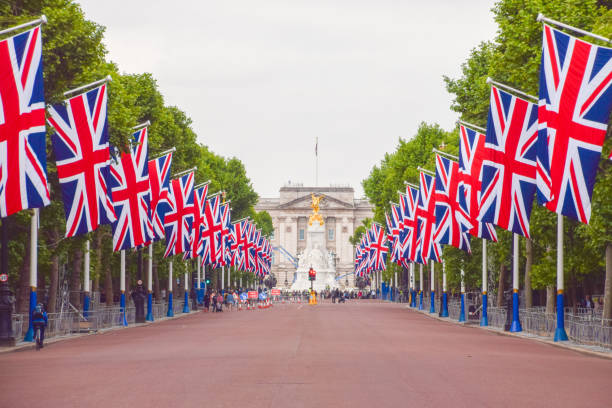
315,256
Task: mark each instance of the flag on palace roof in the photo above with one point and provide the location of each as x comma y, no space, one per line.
129,185
80,144
509,163
574,109
159,180
179,219
452,221
471,144
23,154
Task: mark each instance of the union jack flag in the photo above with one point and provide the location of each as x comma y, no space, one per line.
378,248
226,223
427,216
179,219
236,239
411,233
394,225
82,155
23,156
129,184
574,109
195,237
471,145
159,180
210,242
452,222
509,166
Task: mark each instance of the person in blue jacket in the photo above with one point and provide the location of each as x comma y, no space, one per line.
40,321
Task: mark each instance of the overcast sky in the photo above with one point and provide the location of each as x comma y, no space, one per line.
261,79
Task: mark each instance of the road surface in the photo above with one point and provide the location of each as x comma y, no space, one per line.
360,354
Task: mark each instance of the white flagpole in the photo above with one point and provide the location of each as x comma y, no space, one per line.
484,320
90,85
86,280
33,271
560,333
432,299
41,20
170,312
516,323
222,277
150,285
421,286
541,17
462,309
122,287
444,311
317,162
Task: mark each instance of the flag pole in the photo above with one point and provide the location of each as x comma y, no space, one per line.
484,319
450,156
86,298
444,311
560,334
141,125
462,310
180,173
33,271
150,285
317,162
490,81
165,152
420,286
41,20
541,17
474,127
106,79
516,323
186,277
432,300
122,288
170,312
431,173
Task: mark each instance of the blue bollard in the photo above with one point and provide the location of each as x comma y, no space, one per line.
432,302
86,302
122,306
484,320
444,312
516,323
420,300
149,317
186,304
30,333
462,310
560,334
170,308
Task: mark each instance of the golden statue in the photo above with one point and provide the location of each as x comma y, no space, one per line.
315,216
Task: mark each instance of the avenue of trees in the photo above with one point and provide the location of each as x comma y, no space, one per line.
73,55
513,57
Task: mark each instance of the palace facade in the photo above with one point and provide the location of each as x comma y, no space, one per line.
342,213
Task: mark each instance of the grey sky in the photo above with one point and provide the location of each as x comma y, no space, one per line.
262,78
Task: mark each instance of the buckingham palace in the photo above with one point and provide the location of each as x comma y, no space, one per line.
290,211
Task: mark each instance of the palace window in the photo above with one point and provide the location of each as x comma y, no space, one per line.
330,234
301,234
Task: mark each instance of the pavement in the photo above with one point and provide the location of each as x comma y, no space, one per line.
359,354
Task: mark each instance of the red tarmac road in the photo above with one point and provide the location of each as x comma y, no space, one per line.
361,354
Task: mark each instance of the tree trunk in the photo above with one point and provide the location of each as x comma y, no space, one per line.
108,285
156,289
500,286
607,306
528,263
53,283
550,299
23,291
75,278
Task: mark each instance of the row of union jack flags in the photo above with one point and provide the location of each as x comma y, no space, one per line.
550,149
126,190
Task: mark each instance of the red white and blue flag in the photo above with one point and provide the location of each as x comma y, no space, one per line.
411,234
199,200
509,163
574,109
178,221
236,239
129,185
159,180
379,247
23,155
210,242
426,213
82,156
226,223
452,221
471,145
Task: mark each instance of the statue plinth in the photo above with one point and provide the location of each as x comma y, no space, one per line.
317,257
